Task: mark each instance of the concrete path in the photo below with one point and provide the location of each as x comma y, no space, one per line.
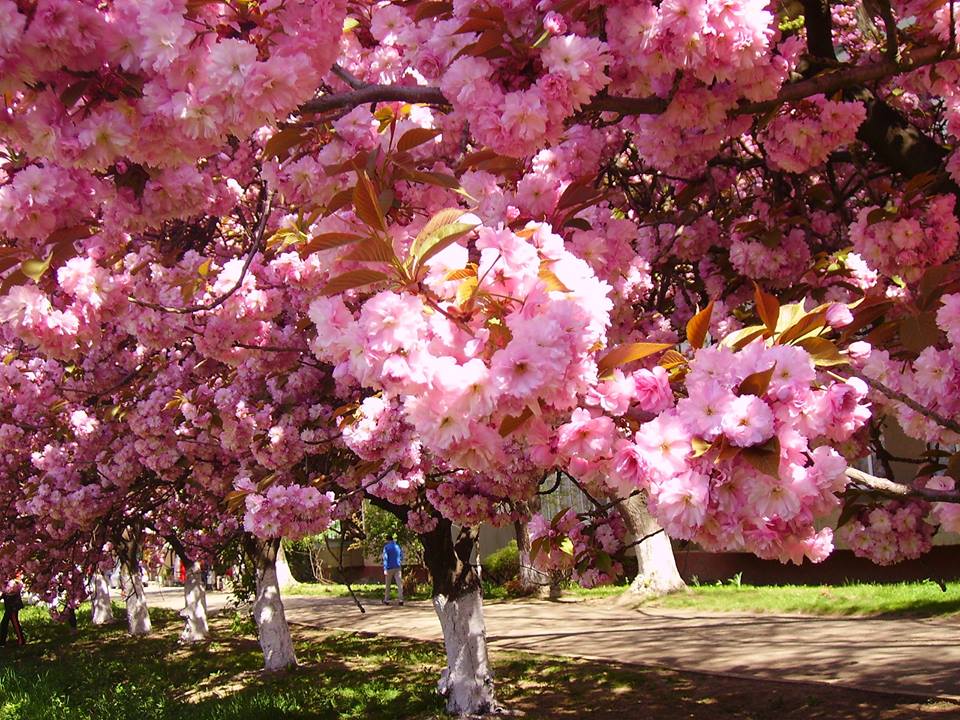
913,656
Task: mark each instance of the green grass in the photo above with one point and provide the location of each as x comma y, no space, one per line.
103,674
372,591
921,598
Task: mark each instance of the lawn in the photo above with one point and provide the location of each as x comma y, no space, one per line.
918,599
102,674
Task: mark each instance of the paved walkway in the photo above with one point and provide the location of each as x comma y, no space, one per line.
915,656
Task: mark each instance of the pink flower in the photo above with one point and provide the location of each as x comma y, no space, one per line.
704,410
748,421
839,315
653,389
664,445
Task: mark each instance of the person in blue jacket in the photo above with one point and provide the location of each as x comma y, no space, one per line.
392,561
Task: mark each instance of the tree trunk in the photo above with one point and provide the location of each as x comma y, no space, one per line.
128,550
285,577
531,580
657,572
194,613
100,607
467,681
138,615
272,629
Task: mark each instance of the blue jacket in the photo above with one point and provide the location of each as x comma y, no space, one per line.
392,556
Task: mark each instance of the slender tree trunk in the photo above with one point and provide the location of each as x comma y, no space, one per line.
531,580
272,629
138,615
657,572
467,681
100,607
194,613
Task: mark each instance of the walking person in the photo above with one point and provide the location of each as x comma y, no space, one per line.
12,605
392,561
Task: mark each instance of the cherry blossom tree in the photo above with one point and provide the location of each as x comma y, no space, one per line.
696,256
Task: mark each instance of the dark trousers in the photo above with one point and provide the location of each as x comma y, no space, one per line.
11,617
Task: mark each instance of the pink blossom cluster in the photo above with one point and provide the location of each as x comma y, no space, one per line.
458,381
803,135
163,81
292,511
919,234
584,547
700,460
889,533
929,379
518,121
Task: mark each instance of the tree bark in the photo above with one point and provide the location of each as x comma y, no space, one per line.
272,628
531,580
467,681
101,609
657,572
194,613
138,615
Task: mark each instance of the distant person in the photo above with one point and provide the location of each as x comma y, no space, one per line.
12,605
392,560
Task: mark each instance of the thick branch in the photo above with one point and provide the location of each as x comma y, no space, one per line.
896,490
825,83
376,93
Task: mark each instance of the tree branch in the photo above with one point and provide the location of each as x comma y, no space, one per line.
265,200
825,83
911,403
899,491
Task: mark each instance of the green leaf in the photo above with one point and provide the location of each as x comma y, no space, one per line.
566,546
823,352
34,268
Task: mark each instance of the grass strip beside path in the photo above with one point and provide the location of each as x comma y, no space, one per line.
860,599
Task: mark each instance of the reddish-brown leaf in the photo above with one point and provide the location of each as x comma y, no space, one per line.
698,326
623,354
353,279
768,308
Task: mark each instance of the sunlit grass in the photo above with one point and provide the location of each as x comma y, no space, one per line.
919,598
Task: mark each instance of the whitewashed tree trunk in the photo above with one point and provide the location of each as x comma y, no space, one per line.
466,682
657,572
138,615
194,613
101,609
272,628
285,578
